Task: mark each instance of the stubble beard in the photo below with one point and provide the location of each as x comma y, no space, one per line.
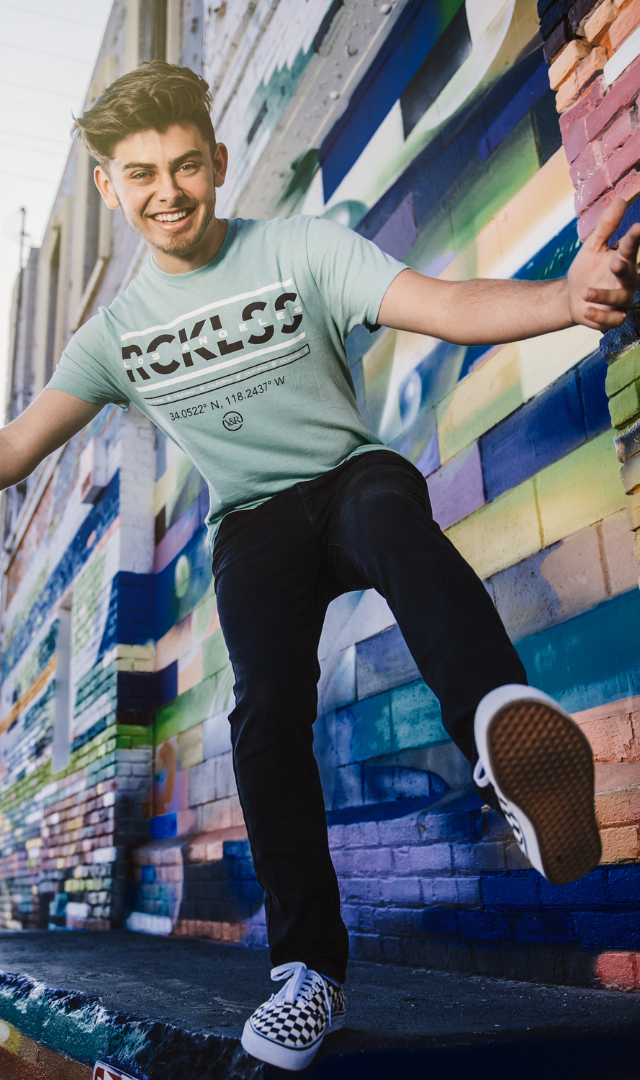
178,245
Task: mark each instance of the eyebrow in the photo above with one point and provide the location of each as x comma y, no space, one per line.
172,164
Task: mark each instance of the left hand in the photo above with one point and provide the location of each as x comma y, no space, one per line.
601,281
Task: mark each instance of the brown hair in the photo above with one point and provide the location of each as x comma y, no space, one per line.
152,97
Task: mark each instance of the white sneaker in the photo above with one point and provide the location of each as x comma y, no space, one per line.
541,768
288,1029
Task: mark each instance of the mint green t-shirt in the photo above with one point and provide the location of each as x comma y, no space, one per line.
243,362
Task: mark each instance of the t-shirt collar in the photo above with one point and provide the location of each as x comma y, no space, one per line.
191,275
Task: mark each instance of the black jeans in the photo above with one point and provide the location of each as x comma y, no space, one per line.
365,524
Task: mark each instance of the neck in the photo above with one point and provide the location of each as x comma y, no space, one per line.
203,252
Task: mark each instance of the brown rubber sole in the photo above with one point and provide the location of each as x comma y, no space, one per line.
543,763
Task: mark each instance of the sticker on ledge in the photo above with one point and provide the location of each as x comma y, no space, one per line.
108,1072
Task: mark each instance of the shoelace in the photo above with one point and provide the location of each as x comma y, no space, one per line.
301,983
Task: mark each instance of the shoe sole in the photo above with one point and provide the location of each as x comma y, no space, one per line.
274,1053
543,763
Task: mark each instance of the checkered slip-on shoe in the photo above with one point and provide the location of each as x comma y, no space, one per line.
288,1029
541,767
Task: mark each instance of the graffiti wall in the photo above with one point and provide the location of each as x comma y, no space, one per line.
430,128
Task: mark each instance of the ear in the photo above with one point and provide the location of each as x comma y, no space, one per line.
105,187
220,162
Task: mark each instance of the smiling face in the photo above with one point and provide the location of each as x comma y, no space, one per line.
165,182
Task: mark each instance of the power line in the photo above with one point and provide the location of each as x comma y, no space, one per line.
23,176
32,149
33,137
47,15
42,52
39,90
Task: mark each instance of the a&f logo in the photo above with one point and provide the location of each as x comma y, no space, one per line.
107,1072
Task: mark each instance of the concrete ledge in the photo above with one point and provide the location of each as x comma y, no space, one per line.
167,1009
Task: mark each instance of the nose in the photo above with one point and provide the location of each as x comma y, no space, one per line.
168,189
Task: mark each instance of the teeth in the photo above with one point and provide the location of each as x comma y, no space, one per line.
171,217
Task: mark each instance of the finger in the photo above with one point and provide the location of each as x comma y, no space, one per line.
613,298
628,246
601,319
609,221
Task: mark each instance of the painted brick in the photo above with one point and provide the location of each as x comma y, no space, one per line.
556,40
511,890
625,23
567,61
398,831
573,121
592,188
500,534
616,134
629,186
623,371
621,807
484,856
627,443
579,490
371,720
348,786
600,929
625,405
578,12
405,890
591,66
625,158
586,163
597,25
623,885
620,844
619,96
634,511
416,718
456,489
611,732
630,474
552,15
591,217
433,857
382,662
541,431
478,402
455,825
619,970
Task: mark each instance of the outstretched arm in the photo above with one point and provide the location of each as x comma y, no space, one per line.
49,422
597,292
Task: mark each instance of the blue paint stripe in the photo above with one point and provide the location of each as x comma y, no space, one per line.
546,428
535,86
400,57
591,659
445,164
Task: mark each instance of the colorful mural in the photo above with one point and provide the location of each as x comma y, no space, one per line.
430,128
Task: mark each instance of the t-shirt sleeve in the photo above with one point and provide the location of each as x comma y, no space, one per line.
352,274
82,370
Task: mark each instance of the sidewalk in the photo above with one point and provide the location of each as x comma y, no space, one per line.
169,1009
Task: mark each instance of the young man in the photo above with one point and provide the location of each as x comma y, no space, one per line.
231,339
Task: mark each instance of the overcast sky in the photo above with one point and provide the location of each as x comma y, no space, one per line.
47,53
